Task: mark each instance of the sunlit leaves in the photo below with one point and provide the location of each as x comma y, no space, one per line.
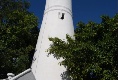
93,54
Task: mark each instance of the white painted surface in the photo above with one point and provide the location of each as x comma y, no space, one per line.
10,75
47,67
26,75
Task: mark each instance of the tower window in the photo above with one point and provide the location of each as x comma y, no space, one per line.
61,15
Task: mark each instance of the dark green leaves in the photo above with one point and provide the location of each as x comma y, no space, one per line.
18,35
93,55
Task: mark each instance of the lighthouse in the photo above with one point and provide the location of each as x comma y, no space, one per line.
57,22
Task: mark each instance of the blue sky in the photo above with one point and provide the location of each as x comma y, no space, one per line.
83,10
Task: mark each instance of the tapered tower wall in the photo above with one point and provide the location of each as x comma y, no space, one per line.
57,22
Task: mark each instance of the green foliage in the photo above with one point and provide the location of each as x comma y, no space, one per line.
93,54
18,35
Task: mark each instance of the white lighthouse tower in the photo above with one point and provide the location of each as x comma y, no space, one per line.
57,22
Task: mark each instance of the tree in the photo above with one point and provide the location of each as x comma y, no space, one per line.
18,35
93,54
